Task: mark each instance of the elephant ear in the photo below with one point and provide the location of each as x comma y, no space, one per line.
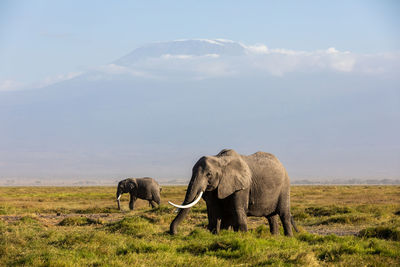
235,176
132,184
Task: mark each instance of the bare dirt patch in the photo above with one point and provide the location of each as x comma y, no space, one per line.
333,231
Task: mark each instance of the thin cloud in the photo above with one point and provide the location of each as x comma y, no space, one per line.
204,59
114,69
256,49
10,85
249,59
56,79
184,56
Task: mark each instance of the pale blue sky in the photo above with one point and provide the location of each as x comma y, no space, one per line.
40,39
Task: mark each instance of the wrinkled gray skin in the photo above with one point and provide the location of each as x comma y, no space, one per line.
143,188
236,186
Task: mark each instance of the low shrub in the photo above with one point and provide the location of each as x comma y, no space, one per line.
79,221
344,219
382,232
195,249
226,247
199,234
5,209
299,216
161,210
141,247
28,219
317,239
133,226
262,231
327,211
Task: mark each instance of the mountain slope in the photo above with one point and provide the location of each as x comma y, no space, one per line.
200,47
115,124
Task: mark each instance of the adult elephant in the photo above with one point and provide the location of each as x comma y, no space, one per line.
235,186
144,188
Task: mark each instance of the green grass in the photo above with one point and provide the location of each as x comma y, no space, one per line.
327,211
382,232
79,221
80,226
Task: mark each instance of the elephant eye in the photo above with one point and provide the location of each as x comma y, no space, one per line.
208,174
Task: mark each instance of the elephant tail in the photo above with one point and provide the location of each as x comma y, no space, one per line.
293,223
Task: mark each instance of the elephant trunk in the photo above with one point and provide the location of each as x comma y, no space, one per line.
118,197
195,190
173,228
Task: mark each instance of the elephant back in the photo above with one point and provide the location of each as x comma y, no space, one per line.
227,152
267,169
264,160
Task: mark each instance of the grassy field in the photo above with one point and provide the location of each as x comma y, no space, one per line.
80,226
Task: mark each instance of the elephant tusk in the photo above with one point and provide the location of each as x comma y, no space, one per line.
118,197
188,205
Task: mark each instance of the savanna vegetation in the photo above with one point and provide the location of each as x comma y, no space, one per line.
81,226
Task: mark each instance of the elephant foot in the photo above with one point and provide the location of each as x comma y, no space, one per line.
273,224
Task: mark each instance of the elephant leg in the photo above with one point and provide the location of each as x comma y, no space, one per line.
273,224
286,222
228,220
213,212
152,203
217,229
225,224
132,202
240,221
214,224
240,203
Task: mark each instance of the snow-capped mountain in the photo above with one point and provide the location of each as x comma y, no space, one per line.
210,58
183,48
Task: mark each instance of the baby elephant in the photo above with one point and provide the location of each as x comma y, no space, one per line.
144,188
